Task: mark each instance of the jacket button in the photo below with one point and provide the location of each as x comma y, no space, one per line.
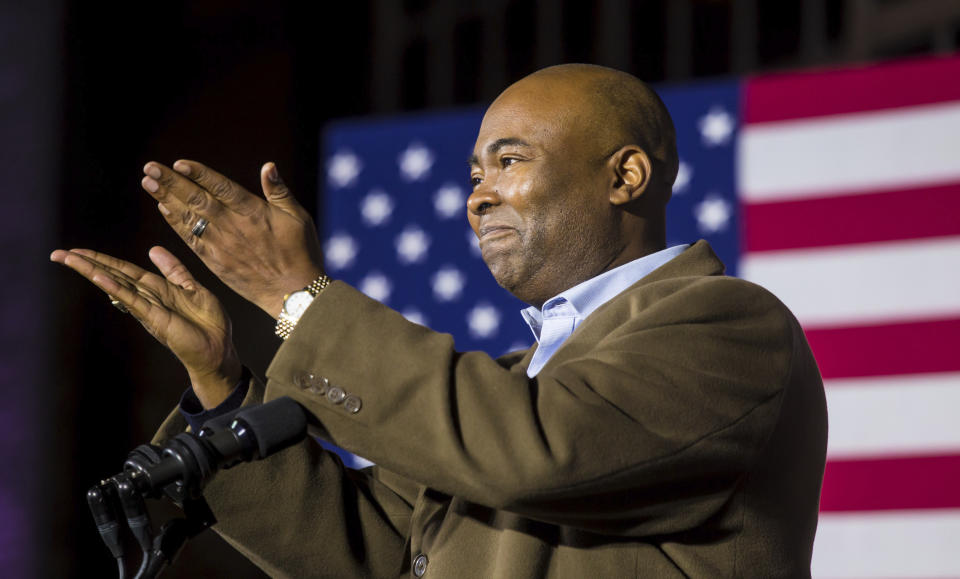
352,404
420,565
319,386
336,394
303,380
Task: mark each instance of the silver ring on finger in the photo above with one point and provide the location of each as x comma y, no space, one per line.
199,227
116,303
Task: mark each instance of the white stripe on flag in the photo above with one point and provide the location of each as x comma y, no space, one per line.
870,283
863,151
917,544
893,415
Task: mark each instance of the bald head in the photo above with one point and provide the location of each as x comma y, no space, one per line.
618,108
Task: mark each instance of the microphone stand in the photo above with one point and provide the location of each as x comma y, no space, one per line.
174,534
180,470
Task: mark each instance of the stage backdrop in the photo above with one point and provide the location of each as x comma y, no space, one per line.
837,190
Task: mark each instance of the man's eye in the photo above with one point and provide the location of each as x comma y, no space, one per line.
507,161
474,181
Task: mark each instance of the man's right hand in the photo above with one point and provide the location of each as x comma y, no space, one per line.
179,312
262,247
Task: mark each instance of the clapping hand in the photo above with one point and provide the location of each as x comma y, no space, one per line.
262,247
179,312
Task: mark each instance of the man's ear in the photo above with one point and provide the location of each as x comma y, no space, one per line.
633,171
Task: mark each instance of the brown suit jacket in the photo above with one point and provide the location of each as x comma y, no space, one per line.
680,431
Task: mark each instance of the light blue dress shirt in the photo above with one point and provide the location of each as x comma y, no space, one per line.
562,314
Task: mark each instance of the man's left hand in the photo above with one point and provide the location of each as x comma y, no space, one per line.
263,248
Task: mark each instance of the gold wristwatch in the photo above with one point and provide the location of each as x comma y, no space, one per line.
295,304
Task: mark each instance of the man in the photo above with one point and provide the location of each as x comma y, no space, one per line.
670,423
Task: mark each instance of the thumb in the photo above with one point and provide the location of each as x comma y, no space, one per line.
172,269
276,191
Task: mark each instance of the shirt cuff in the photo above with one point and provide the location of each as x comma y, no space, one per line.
195,414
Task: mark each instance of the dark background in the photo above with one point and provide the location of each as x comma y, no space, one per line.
91,91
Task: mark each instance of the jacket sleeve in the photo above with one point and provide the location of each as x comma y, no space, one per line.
300,513
644,422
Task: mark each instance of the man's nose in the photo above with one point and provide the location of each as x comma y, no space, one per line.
482,199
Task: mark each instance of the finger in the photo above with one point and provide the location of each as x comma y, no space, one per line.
117,288
166,185
224,190
277,192
76,262
172,268
129,272
184,222
80,264
136,304
133,271
152,288
149,285
58,255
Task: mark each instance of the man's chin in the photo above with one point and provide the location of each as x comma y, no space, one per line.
510,280
501,272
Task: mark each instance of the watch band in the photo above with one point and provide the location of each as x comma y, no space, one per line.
285,323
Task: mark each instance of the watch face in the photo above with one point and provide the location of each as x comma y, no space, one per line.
297,303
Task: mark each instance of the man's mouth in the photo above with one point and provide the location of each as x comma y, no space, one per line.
492,231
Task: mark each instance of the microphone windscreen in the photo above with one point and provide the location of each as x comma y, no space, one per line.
275,425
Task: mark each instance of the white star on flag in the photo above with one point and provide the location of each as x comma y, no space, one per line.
684,174
448,201
483,321
713,213
343,168
340,251
376,207
415,162
448,284
377,286
414,315
412,245
716,127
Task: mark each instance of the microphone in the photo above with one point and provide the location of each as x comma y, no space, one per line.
181,468
188,461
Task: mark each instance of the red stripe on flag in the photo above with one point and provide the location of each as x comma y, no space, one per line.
853,218
890,349
928,482
832,92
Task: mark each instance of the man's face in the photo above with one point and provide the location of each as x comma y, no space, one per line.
540,204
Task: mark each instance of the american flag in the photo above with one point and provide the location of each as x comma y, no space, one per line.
838,190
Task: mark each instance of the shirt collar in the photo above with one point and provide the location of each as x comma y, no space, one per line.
582,299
